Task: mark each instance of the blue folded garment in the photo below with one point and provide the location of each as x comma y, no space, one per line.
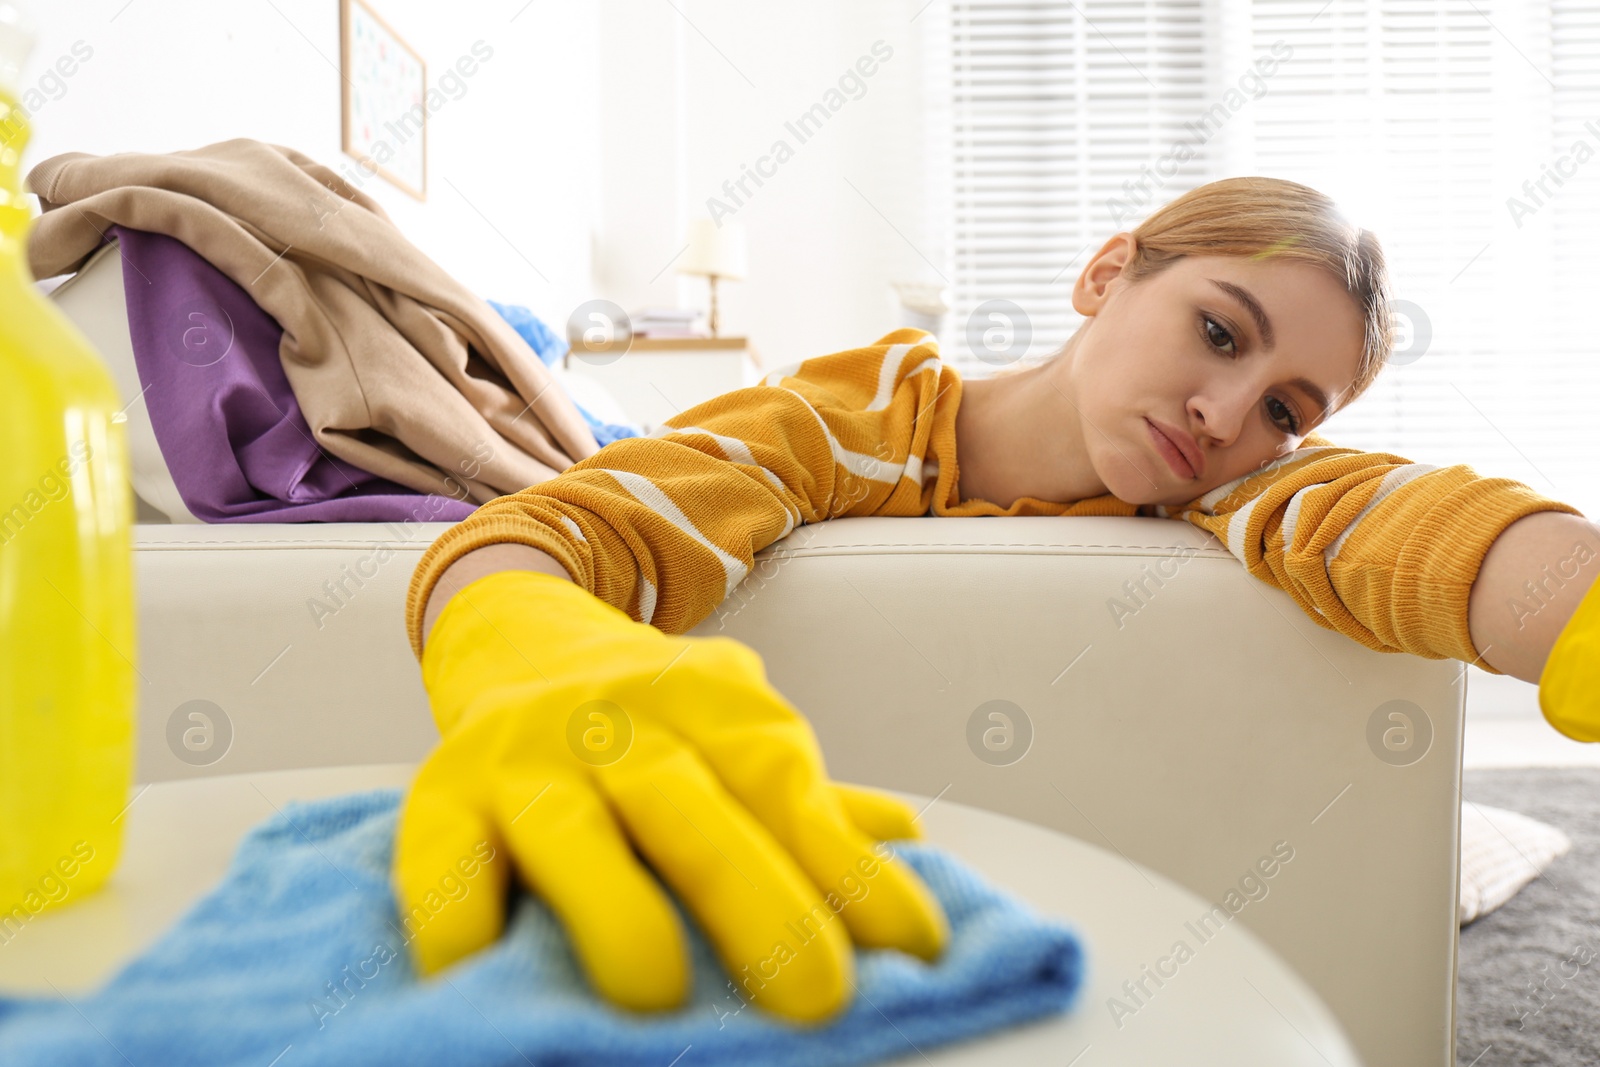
298,958
541,338
606,432
550,348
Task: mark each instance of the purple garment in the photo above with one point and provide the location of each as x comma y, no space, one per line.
223,411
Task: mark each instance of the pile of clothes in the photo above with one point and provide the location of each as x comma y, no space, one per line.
301,360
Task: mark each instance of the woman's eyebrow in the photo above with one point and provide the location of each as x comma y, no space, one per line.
1252,305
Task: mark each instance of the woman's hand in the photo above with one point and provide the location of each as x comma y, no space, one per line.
574,736
1569,684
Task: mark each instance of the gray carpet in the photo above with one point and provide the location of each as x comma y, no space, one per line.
1528,980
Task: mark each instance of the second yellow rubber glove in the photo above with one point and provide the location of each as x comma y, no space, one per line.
573,737
1569,684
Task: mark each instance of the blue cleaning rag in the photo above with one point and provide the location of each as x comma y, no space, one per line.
298,958
550,348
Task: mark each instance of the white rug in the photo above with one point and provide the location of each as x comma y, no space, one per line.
1501,852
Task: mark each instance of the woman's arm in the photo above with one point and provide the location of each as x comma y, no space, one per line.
1390,552
665,527
480,563
1530,583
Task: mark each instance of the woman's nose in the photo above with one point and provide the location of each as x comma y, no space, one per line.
1220,416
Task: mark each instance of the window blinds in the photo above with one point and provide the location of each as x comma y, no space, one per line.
1054,106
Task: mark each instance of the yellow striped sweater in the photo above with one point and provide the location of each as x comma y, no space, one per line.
664,527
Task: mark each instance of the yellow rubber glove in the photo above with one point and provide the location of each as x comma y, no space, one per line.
1569,685
571,732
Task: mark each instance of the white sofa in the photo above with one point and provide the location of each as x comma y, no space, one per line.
1193,736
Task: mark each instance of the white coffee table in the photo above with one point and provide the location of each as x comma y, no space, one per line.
1233,1001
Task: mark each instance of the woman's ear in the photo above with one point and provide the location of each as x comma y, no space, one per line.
1094,283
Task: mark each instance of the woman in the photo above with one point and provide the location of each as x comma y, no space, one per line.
1216,337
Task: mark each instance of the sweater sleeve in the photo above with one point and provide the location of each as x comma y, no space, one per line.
1369,544
664,527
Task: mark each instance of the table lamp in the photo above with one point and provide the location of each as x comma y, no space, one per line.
716,251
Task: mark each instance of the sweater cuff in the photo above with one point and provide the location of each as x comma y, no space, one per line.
466,536
1441,559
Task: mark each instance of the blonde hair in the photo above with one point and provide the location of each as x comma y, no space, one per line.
1262,217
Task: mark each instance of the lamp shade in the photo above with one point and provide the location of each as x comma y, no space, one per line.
715,250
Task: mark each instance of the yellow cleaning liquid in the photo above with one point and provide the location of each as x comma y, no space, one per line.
67,640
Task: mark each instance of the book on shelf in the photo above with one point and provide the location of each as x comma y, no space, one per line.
667,322
668,314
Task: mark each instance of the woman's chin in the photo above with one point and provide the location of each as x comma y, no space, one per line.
1128,482
1133,486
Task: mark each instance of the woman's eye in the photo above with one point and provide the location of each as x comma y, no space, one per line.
1288,415
1219,337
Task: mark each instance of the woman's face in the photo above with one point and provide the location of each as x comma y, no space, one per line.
1230,351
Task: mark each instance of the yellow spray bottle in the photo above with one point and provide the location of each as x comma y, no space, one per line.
67,637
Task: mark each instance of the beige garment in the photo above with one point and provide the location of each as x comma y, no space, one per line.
397,367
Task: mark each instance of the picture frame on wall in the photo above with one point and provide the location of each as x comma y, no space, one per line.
384,86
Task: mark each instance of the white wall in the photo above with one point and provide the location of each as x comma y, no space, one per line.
698,90
512,160
578,152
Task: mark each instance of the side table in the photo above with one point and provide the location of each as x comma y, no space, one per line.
1230,1000
655,378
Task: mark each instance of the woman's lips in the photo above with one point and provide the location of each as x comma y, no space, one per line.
1171,453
